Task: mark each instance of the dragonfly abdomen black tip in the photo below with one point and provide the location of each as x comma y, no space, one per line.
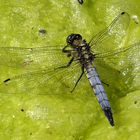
109,115
6,80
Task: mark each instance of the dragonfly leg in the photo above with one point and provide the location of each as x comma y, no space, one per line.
65,50
66,66
78,80
105,83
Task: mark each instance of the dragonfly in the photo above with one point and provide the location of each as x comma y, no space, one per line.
49,69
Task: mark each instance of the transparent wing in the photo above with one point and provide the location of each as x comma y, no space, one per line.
32,58
44,81
110,38
121,57
120,68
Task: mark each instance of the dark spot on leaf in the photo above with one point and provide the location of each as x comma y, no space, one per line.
42,31
22,110
80,1
30,133
135,102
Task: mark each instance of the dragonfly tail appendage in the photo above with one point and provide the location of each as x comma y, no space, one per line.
108,114
100,93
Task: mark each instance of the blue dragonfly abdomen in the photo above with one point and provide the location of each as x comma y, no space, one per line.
99,91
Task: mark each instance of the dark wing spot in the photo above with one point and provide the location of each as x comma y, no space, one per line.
6,80
122,13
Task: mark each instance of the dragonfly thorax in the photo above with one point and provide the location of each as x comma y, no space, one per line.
80,49
86,57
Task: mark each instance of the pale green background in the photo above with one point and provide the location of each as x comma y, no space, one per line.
76,117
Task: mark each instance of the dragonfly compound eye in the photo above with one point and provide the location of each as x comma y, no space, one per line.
70,39
78,37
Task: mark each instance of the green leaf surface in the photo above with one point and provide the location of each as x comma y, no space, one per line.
67,117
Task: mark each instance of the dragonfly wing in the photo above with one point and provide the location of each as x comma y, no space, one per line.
111,37
120,68
44,81
123,57
32,58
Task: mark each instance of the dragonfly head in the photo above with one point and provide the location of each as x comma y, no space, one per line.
74,40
